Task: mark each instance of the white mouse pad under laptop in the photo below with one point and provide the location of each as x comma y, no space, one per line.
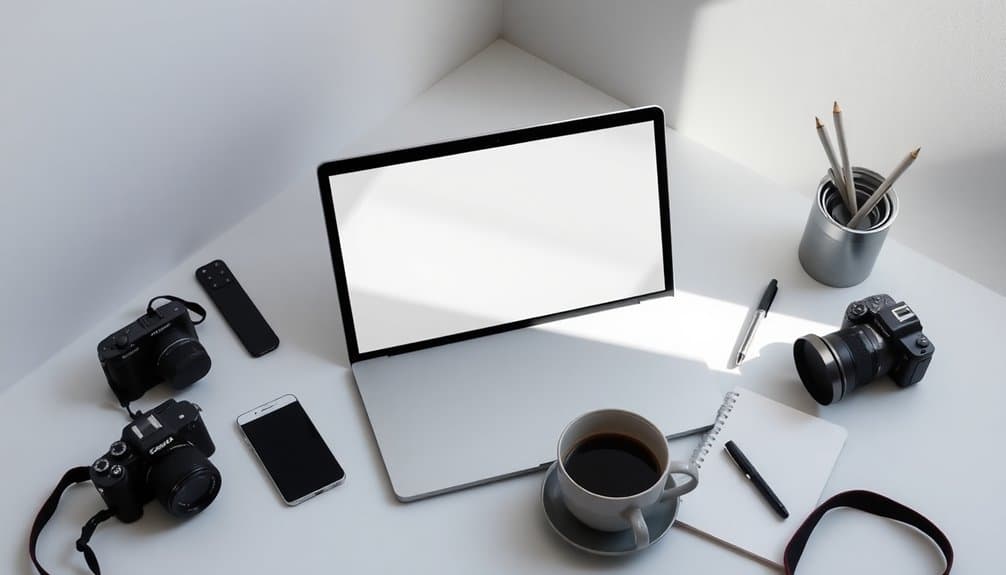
489,408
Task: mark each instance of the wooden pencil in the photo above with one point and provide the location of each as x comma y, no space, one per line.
883,189
843,150
835,171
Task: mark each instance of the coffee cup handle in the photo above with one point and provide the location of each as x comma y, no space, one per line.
640,531
682,468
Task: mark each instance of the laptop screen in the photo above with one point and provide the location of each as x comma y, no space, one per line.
475,236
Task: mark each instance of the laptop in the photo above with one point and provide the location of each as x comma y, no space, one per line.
477,279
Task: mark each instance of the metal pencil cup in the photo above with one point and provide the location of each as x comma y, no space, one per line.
835,254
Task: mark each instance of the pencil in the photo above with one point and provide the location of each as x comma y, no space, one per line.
835,172
883,189
843,149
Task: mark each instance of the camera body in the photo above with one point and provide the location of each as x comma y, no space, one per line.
879,336
164,454
897,323
160,346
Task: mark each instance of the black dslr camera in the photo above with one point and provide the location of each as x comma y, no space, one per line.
879,336
164,454
160,346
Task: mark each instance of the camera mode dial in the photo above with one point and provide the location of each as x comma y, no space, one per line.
857,310
101,466
118,449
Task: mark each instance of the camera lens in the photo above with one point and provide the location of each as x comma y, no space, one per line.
182,360
836,364
185,481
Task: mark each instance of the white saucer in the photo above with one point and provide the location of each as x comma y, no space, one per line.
659,519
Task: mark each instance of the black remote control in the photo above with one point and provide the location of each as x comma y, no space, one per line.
237,308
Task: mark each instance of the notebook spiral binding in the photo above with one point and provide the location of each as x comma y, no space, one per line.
700,453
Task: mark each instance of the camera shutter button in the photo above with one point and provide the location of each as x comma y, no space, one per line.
116,471
922,341
121,340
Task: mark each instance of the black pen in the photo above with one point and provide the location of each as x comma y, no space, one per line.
751,473
763,305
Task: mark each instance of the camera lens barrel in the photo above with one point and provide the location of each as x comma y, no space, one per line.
184,481
182,360
838,363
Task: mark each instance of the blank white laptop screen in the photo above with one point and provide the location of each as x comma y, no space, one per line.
446,245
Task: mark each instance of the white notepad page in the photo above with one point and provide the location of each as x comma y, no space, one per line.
794,452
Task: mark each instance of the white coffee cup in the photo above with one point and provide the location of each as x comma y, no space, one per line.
607,513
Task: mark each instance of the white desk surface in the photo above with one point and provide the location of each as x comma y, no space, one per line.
935,447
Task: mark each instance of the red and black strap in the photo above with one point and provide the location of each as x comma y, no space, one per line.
869,502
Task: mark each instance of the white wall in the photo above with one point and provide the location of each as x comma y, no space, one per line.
133,132
747,78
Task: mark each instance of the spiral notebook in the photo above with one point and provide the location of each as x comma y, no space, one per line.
794,452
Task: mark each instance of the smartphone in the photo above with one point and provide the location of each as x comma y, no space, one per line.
291,449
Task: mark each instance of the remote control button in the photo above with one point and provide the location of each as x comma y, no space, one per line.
118,449
101,466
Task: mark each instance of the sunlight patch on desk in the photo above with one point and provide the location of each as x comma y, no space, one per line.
687,325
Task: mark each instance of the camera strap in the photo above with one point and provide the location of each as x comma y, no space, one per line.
71,477
875,504
190,305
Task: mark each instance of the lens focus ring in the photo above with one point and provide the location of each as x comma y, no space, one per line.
863,364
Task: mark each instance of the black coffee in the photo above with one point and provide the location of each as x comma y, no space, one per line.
612,465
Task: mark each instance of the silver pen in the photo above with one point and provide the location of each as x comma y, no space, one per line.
763,305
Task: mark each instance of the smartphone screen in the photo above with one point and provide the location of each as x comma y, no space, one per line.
291,449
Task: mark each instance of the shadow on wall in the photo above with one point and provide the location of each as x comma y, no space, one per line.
587,39
133,134
746,79
944,198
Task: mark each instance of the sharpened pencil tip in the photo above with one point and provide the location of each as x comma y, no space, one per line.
836,109
915,153
818,121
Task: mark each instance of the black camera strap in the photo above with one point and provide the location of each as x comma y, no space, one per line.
71,477
869,502
190,305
